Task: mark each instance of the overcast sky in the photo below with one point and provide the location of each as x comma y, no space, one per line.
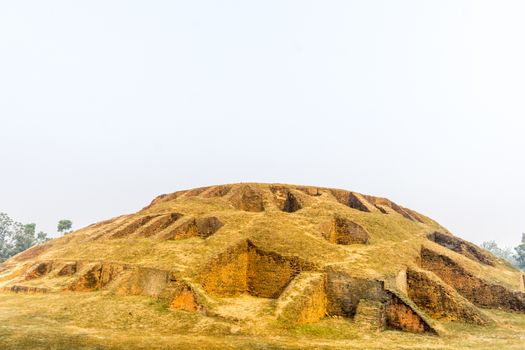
106,104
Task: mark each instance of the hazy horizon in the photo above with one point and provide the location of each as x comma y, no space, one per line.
105,105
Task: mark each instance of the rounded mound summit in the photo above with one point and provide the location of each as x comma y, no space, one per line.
271,253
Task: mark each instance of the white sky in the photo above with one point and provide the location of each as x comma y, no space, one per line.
106,104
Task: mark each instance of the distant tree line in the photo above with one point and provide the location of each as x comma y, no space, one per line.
16,237
514,256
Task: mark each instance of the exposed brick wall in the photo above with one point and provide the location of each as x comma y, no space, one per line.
477,290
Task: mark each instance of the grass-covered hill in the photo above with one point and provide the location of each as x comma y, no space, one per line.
261,266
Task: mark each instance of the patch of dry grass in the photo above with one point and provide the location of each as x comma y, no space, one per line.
98,320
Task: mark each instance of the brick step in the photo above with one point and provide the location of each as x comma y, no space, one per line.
370,314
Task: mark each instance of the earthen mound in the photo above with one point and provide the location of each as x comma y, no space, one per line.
274,255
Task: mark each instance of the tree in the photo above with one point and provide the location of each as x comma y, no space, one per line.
520,253
41,237
505,253
5,233
16,237
64,226
23,237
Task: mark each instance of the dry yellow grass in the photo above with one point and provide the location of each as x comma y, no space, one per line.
97,320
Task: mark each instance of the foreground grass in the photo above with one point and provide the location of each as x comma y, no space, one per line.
101,321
